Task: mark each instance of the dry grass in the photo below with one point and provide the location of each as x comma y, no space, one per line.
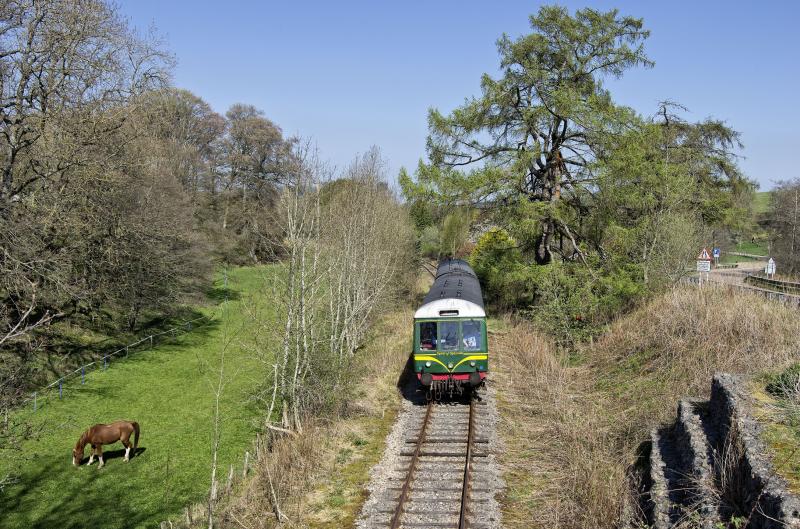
671,348
572,432
559,466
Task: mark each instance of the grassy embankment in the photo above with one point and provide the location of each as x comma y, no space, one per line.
319,476
571,430
357,442
168,390
752,248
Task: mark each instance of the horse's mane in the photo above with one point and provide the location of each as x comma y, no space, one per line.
83,439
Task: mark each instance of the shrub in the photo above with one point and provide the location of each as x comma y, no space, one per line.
429,242
785,384
454,233
565,299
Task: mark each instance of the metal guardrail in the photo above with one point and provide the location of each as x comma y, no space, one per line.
40,395
790,300
790,287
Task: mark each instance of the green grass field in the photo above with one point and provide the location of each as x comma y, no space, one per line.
755,248
761,202
168,390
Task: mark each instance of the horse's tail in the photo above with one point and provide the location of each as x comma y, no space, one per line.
135,435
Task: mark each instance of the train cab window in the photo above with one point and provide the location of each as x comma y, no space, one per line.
448,335
427,335
471,335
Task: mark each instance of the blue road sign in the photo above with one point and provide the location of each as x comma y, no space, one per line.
716,252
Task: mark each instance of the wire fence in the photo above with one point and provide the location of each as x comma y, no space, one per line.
38,397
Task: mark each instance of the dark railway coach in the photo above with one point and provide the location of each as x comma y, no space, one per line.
450,347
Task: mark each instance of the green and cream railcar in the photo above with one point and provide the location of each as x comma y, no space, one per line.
450,341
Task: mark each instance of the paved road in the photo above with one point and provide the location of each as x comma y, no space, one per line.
735,276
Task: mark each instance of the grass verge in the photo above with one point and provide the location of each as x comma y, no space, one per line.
168,390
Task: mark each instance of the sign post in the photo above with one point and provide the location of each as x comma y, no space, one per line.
703,265
716,253
770,269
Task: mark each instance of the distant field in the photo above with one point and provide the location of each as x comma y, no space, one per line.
744,247
761,202
169,392
733,259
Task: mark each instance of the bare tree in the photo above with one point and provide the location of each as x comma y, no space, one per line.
299,219
346,244
62,64
69,73
785,223
369,242
256,163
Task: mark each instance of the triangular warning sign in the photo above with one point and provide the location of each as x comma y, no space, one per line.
704,255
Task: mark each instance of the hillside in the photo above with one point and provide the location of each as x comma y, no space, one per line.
169,391
761,202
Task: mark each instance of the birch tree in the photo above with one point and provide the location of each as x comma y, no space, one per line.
299,220
368,241
347,245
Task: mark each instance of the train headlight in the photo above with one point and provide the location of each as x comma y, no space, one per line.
472,363
428,364
450,365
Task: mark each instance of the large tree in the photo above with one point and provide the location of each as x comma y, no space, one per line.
661,187
68,69
533,135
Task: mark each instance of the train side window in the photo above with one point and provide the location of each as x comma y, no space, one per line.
471,332
448,335
427,335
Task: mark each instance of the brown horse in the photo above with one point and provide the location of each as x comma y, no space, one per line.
106,434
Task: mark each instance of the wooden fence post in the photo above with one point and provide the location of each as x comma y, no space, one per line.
229,484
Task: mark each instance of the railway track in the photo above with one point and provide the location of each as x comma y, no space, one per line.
433,482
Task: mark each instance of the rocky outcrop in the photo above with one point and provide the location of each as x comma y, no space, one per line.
710,470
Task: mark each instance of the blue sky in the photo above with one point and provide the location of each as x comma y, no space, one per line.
353,74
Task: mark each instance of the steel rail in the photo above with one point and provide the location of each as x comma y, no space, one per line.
398,511
466,486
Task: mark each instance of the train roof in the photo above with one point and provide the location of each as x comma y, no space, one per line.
455,292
